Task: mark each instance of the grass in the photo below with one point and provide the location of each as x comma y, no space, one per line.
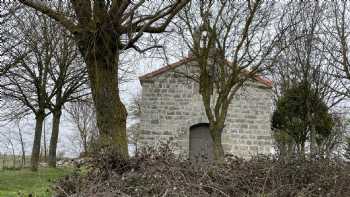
14,183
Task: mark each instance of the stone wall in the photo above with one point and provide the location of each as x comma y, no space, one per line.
171,104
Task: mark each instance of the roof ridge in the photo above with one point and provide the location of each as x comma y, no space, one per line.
168,67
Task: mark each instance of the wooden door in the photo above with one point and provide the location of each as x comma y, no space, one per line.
201,143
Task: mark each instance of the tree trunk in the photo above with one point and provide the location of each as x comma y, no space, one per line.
111,114
39,119
85,145
302,150
283,150
56,117
110,111
217,144
44,141
310,123
290,149
13,156
313,144
23,159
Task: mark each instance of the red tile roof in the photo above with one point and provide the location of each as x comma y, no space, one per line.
168,67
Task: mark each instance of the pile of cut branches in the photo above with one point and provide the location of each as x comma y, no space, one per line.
161,173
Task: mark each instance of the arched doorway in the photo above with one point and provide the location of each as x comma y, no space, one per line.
201,143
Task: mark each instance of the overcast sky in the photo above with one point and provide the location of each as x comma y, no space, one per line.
68,138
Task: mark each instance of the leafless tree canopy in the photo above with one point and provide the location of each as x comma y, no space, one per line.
43,72
58,52
127,18
102,29
336,29
231,42
24,87
305,57
7,42
82,115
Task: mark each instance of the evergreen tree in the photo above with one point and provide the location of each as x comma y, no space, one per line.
299,112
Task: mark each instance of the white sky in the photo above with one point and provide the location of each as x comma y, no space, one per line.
68,142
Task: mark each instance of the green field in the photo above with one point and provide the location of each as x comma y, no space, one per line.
23,182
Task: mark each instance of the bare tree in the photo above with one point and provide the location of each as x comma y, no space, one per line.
337,41
7,11
82,115
13,138
333,143
102,29
64,76
134,106
25,87
22,143
43,150
305,62
134,109
10,144
231,42
70,83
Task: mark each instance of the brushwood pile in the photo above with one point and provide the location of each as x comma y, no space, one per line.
161,173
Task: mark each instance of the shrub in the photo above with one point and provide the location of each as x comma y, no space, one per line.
300,111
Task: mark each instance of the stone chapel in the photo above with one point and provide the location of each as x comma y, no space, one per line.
172,109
